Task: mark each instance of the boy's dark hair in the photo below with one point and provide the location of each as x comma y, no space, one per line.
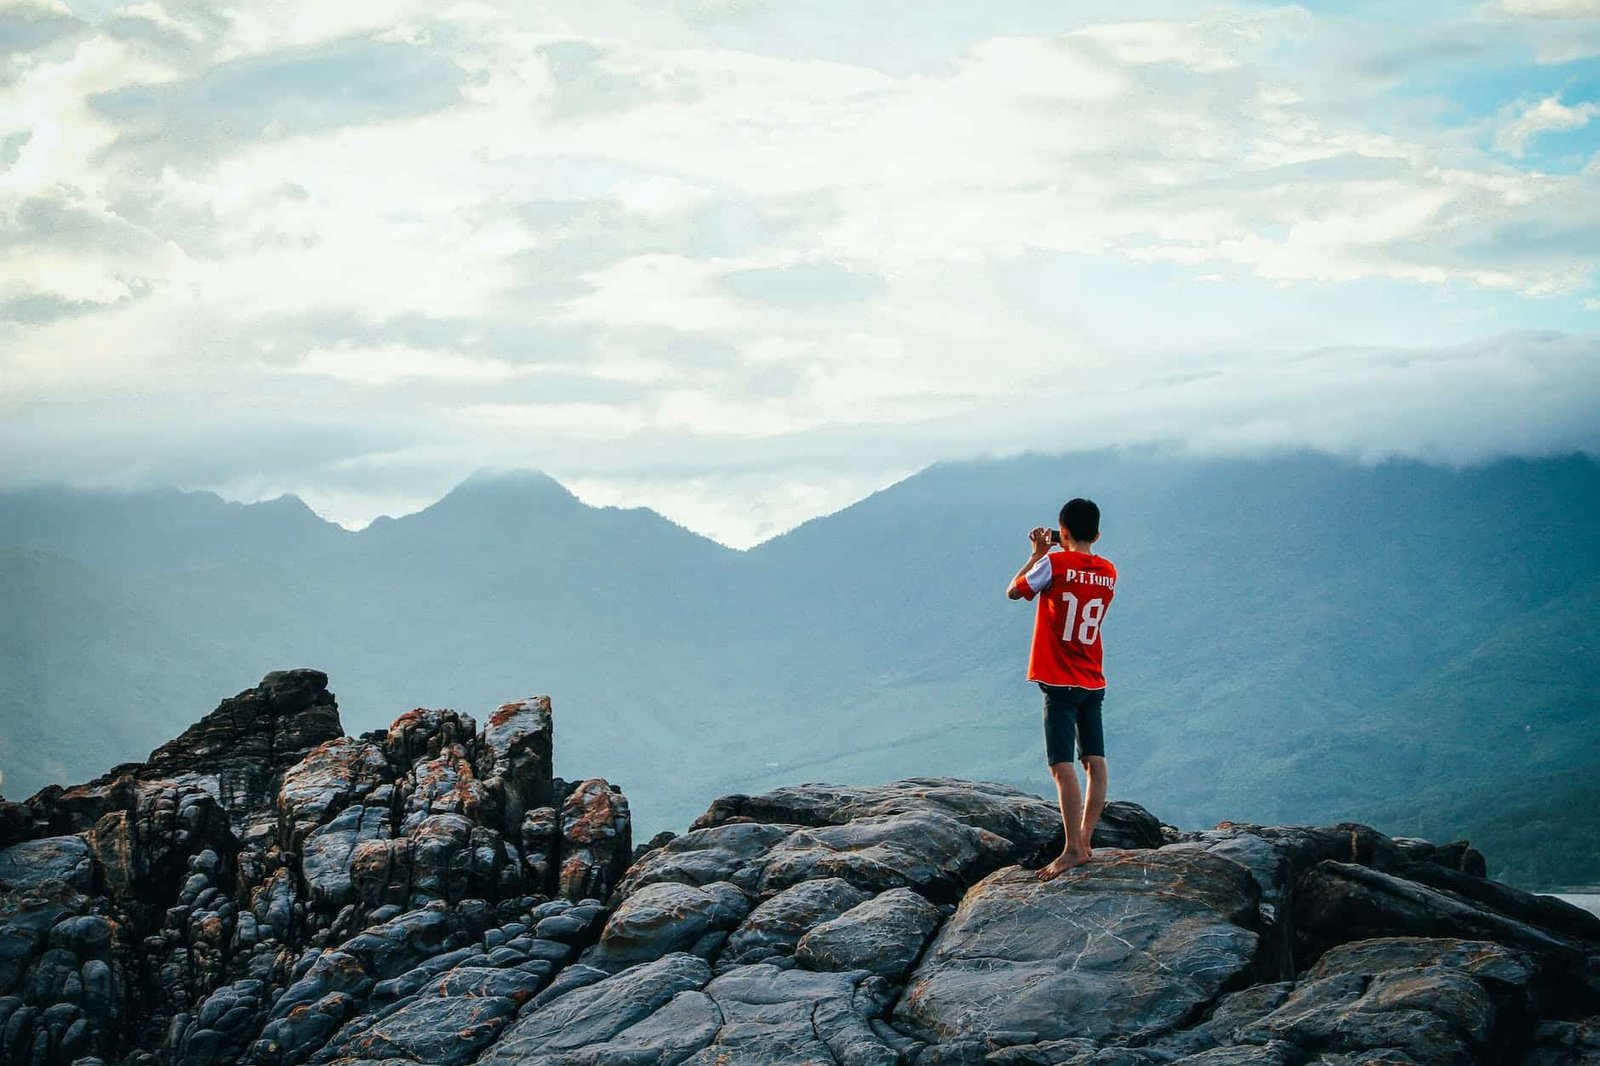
1081,518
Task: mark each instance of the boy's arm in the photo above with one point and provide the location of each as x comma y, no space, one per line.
1022,586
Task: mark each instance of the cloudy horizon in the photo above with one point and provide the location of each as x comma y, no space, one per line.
746,262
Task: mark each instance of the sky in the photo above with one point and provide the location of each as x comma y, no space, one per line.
746,261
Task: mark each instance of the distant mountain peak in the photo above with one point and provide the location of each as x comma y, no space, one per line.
488,487
521,475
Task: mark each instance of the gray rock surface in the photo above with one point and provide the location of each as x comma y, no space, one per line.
1338,902
34,863
581,1023
731,852
329,850
668,918
267,891
1030,825
597,840
1436,1001
925,850
516,760
1124,948
1564,1043
884,935
775,927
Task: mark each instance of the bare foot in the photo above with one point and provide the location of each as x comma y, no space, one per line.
1062,863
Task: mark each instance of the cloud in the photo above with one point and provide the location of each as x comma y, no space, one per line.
1549,9
744,260
1560,31
740,508
276,95
1549,115
29,25
384,364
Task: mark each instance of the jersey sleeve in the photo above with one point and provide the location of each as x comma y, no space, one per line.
1037,579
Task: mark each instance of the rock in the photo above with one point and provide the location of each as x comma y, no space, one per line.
597,840
1031,826
925,850
1340,902
1222,1026
422,733
443,784
238,750
225,1024
1545,912
327,858
442,857
540,834
250,864
266,891
1306,846
332,776
731,852
1126,825
671,1011
1434,1000
16,823
453,859
143,851
1564,1043
884,935
33,863
666,918
447,1022
660,840
775,1016
591,1015
1272,1053
1272,863
517,759
775,927
1510,971
1127,947
336,983
1458,855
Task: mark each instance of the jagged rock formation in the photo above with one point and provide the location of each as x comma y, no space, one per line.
266,890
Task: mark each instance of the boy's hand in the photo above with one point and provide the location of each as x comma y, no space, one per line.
1040,537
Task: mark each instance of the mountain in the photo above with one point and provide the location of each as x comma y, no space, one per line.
90,670
264,889
160,531
1267,615
1294,638
1512,720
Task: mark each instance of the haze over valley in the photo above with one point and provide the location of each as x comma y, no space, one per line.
1295,638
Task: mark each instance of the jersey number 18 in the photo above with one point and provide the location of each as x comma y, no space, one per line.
1089,624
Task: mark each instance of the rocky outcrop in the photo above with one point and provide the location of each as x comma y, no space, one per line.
267,890
264,888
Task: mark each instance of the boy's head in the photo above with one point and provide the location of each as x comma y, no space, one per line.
1080,520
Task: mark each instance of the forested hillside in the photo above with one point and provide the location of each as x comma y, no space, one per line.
1293,639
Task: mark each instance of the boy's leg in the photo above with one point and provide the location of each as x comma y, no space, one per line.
1094,798
1092,750
1060,727
1070,800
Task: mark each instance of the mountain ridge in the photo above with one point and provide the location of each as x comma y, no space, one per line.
1270,608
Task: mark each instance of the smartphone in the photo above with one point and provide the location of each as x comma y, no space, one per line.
1055,536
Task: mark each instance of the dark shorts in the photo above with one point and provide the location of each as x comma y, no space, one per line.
1072,713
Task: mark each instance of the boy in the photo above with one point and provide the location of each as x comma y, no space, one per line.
1074,587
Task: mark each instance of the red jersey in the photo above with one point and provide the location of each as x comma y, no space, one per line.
1074,591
